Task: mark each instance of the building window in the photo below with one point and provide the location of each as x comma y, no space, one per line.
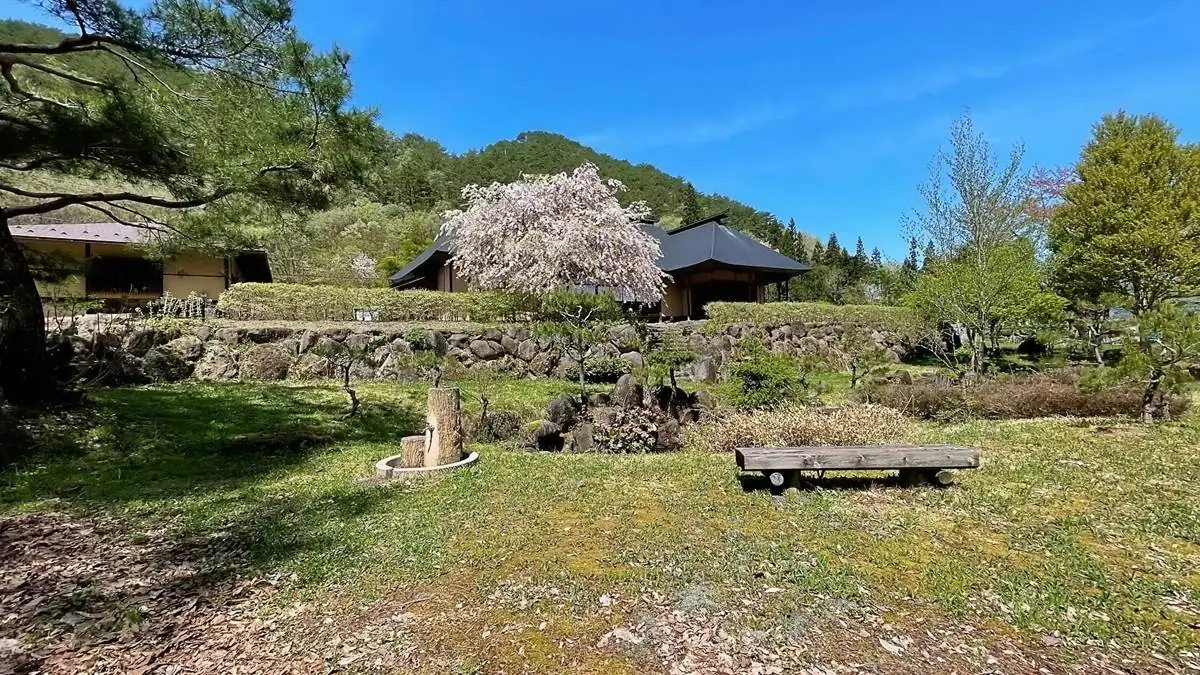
124,276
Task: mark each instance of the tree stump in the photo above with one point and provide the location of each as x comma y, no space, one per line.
412,451
443,437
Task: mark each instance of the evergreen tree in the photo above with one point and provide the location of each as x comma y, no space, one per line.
214,108
876,258
689,209
930,256
818,254
834,255
911,263
858,266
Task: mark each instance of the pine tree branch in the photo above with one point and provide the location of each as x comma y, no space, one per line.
58,200
77,79
130,62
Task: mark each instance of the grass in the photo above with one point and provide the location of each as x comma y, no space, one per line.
1088,531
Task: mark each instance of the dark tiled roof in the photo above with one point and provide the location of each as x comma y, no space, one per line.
109,233
706,242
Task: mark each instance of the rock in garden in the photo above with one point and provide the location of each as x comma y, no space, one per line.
541,364
460,340
266,335
436,342
703,403
605,416
670,399
357,343
328,347
527,350
625,338
203,333
493,335
696,342
669,435
189,347
16,657
218,363
562,411
628,392
547,436
582,438
164,365
509,344
308,340
485,350
139,341
310,367
634,359
704,369
229,335
265,362
598,399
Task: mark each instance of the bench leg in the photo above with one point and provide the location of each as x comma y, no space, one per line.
780,480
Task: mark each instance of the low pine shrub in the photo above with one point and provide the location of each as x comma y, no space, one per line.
1055,394
792,425
766,380
601,371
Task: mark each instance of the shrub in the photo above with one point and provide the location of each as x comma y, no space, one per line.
298,302
766,380
605,371
631,430
899,320
1011,397
793,425
498,425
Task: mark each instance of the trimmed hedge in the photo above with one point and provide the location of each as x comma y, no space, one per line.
299,302
898,319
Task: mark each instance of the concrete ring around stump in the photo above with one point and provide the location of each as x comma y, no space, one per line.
387,467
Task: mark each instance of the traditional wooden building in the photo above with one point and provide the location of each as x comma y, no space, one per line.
111,266
707,260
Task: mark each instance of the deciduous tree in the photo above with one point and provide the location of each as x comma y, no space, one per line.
546,233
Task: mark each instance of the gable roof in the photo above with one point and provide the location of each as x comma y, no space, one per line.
704,243
108,233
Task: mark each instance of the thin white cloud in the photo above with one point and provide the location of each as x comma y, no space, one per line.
692,133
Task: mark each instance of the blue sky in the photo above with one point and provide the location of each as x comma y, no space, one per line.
828,113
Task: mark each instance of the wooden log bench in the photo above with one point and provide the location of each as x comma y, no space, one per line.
916,463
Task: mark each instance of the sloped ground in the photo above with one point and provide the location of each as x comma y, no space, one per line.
220,530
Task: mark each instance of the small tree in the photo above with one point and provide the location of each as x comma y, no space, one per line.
859,354
574,322
1167,343
543,234
975,218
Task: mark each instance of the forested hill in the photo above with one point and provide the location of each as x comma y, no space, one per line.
672,199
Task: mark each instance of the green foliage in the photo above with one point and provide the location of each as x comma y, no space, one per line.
297,302
896,319
1128,225
859,354
602,370
574,322
766,380
1158,357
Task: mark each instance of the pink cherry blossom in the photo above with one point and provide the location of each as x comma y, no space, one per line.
545,233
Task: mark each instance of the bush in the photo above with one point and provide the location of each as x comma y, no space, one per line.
1011,397
606,370
793,425
298,302
498,425
899,320
630,430
766,380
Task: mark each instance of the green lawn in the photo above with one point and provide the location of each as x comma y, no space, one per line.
1077,544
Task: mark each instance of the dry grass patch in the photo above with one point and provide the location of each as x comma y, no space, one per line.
794,425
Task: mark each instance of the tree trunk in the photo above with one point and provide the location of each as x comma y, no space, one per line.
1149,405
23,376
444,438
412,449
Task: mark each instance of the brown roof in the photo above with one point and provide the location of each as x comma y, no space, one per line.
111,233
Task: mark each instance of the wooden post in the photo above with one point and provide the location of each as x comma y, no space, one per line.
443,437
413,451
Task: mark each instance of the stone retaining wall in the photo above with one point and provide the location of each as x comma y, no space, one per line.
210,352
